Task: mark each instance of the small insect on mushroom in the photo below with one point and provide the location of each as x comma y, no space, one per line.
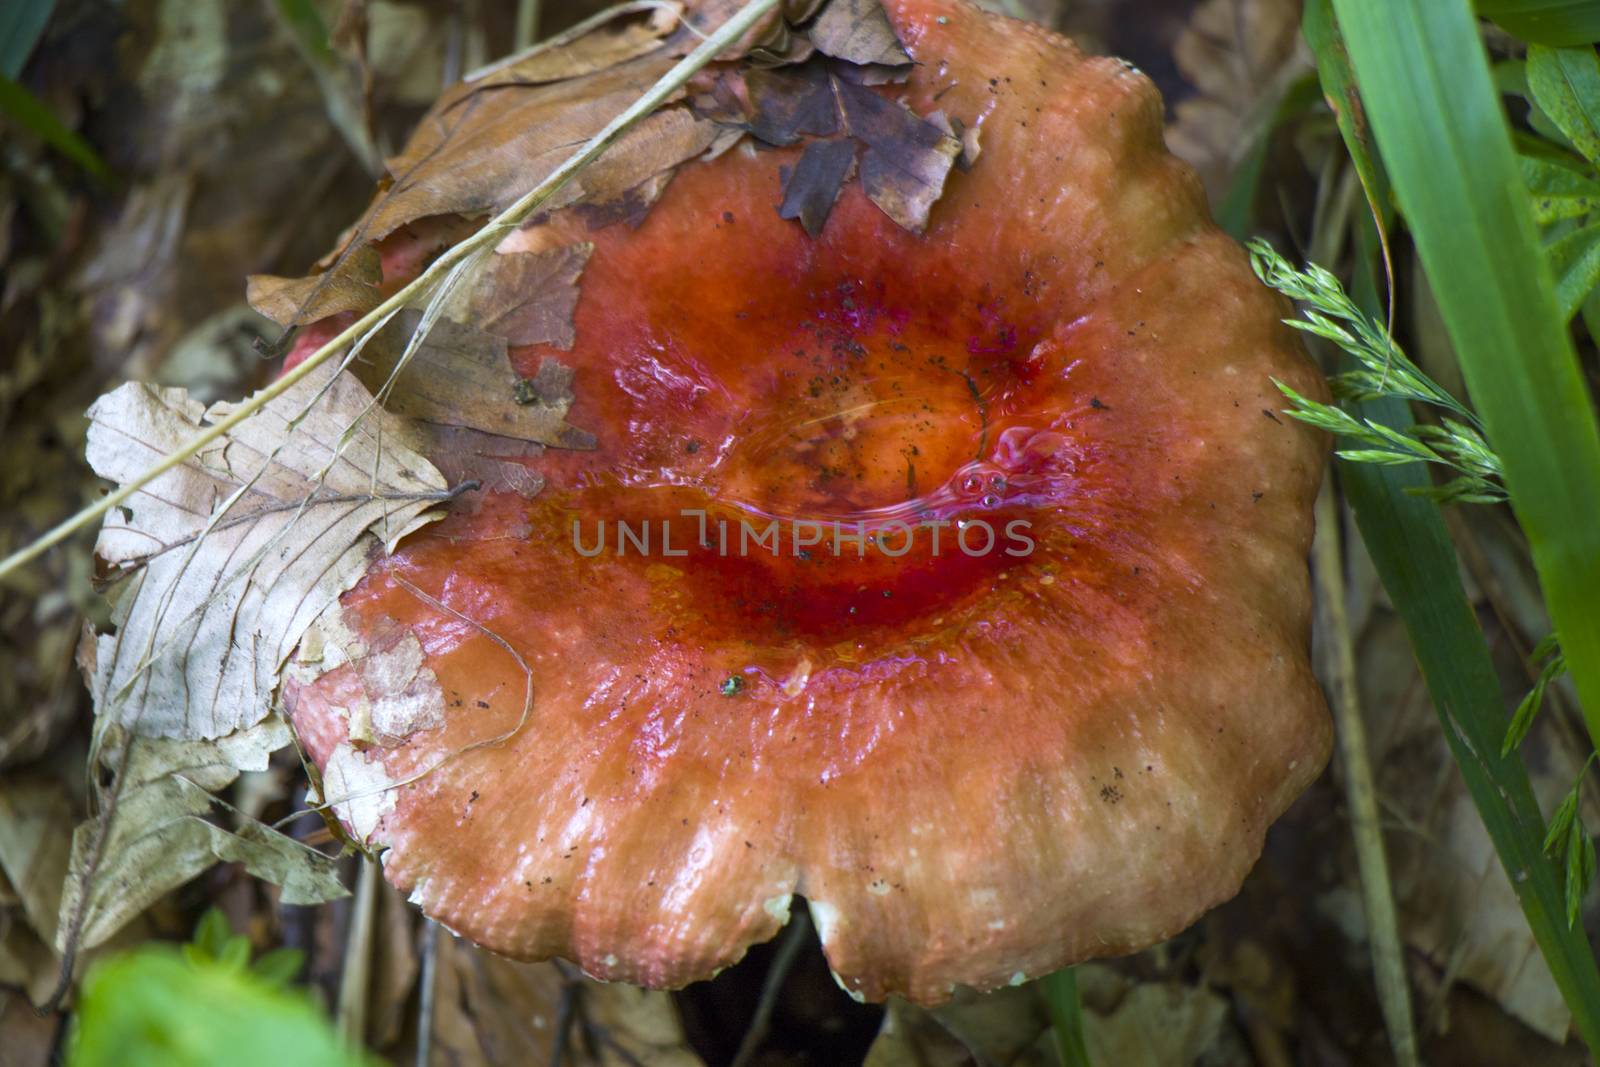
982,526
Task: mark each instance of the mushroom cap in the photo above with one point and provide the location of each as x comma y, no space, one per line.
977,769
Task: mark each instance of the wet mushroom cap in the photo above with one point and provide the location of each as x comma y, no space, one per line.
976,767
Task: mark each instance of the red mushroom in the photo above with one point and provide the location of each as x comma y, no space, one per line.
976,766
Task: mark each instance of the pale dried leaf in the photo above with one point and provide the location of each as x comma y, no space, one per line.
161,834
628,36
1240,55
857,31
35,831
350,285
206,617
494,1010
1163,1023
1009,1026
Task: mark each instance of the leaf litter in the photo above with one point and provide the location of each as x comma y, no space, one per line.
219,565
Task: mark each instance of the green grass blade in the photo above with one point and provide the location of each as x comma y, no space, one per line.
1446,145
25,109
1553,22
1406,538
1066,1017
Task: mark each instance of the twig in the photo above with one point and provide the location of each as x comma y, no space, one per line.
527,30
565,1019
794,939
97,851
356,979
425,991
490,235
1361,794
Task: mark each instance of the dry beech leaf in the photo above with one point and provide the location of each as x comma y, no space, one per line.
632,205
206,618
160,835
1240,55
857,31
494,1010
525,297
1010,1026
351,284
1164,1022
461,376
497,464
478,151
35,825
629,36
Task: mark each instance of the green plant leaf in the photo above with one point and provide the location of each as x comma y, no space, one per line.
211,934
22,23
1066,1017
1560,191
1576,260
154,1008
1566,84
1446,145
23,108
278,967
1552,22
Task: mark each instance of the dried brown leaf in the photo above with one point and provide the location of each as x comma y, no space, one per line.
351,284
907,158
789,103
632,205
207,616
497,464
35,830
857,31
461,376
481,151
1240,55
629,35
494,1010
811,188
525,297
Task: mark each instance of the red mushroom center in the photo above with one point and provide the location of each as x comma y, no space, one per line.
852,465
